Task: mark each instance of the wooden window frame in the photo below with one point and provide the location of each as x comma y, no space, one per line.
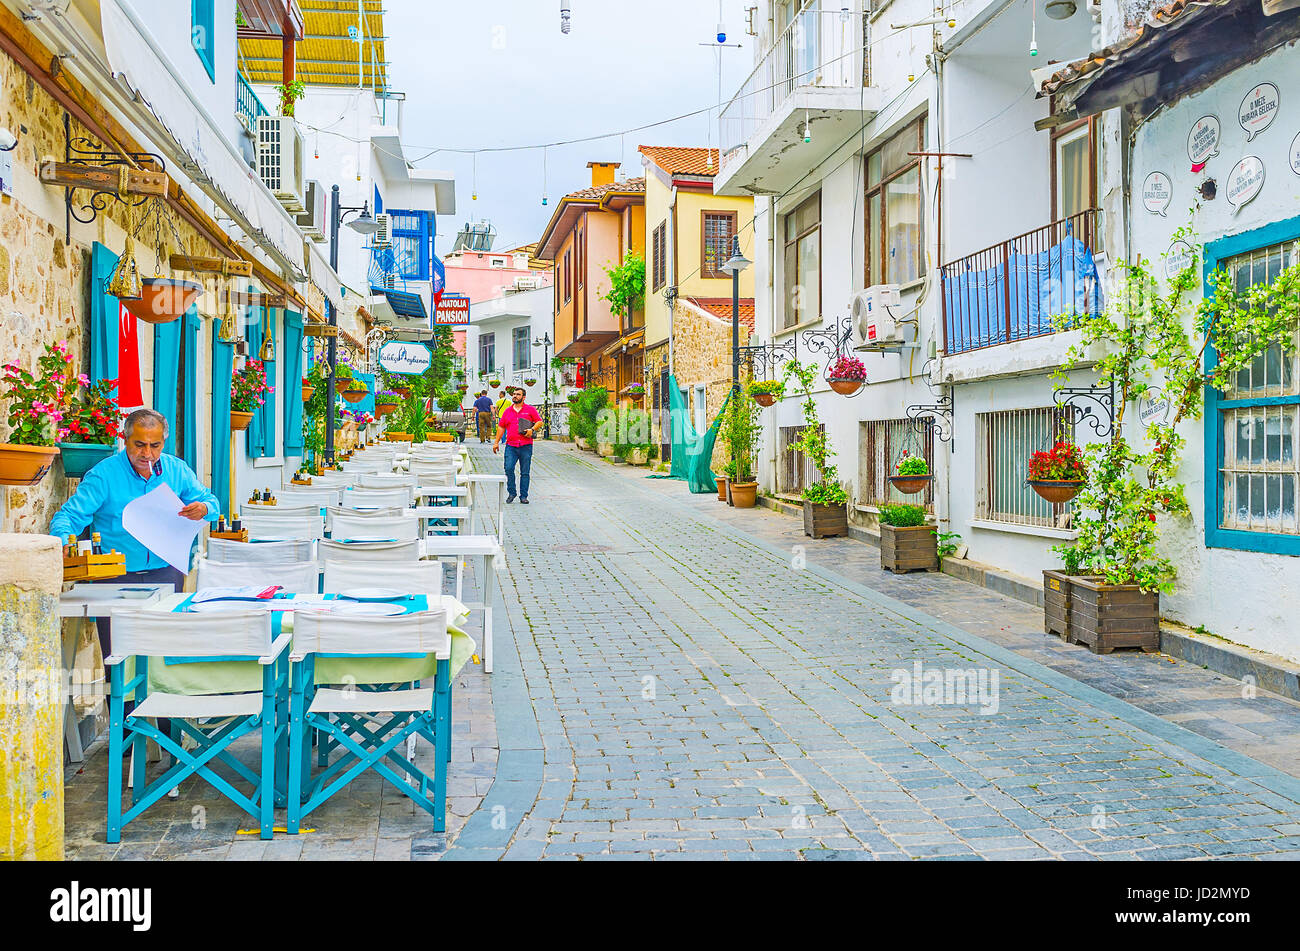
1056,135
658,242
786,244
917,125
568,275
734,216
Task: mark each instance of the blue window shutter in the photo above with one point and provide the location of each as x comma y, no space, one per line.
166,364
223,365
379,202
255,434
293,371
103,315
190,334
272,380
203,23
368,404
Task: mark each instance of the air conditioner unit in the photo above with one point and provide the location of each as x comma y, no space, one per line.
279,160
312,222
384,236
873,322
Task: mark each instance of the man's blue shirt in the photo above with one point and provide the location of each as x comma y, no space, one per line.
105,492
483,404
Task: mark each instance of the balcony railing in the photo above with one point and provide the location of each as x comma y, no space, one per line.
819,48
1015,289
247,106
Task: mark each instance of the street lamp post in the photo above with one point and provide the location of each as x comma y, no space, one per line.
737,263
365,225
545,344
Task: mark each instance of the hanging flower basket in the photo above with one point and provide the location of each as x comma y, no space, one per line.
239,421
530,381
355,396
308,392
847,376
462,387
80,457
383,409
342,384
25,465
494,383
1058,491
162,299
847,387
402,391
911,484
765,399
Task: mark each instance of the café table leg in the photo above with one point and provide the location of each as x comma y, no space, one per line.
488,583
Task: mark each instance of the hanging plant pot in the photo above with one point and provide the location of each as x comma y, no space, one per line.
355,396
25,465
530,381
911,484
402,391
239,421
342,385
765,399
494,383
307,393
80,457
1056,492
383,409
461,388
162,299
847,387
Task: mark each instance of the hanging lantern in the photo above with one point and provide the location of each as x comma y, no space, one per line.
268,345
565,17
125,282
226,333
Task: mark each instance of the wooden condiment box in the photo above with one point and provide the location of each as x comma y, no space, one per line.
90,567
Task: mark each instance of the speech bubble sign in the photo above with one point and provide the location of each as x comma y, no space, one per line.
1177,258
1293,156
1203,141
1154,408
1245,181
1157,193
1258,109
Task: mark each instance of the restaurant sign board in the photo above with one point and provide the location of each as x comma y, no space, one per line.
405,359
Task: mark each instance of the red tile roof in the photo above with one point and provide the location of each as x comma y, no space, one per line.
600,191
720,307
682,161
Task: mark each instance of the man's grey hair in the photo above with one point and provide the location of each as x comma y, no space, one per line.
147,418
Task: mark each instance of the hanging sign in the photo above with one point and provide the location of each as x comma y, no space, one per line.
405,359
1294,155
1245,182
1203,141
453,311
1154,408
1258,109
1177,258
1157,193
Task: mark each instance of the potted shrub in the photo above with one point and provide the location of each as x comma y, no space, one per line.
35,413
722,485
247,389
825,503
847,376
911,474
632,439
449,402
766,392
89,430
907,543
740,433
1058,474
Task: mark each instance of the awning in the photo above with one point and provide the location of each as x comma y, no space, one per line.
212,161
625,341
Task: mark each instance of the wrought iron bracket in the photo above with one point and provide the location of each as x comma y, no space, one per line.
936,417
769,356
834,342
86,153
1093,404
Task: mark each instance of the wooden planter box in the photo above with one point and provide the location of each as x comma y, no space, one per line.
825,521
1056,603
914,548
1106,616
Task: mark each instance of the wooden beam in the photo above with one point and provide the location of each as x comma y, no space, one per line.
228,266
274,301
320,330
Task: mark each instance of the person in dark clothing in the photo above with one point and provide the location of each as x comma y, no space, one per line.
483,416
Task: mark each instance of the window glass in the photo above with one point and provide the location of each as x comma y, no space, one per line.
874,253
1073,173
904,240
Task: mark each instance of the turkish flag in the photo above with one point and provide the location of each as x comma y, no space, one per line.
129,396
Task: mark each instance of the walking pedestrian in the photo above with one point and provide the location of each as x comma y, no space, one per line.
518,425
483,416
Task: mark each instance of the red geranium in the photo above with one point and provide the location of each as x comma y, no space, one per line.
1064,463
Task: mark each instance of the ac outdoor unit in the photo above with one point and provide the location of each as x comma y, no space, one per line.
872,320
312,222
384,236
279,160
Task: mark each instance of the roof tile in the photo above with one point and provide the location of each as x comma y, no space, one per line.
682,161
720,307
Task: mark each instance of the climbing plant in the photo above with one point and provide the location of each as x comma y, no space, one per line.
812,439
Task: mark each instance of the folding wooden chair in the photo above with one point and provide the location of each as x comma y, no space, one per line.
243,635
321,496
349,719
385,481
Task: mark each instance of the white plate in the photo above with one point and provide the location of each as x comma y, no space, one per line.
359,609
219,607
374,594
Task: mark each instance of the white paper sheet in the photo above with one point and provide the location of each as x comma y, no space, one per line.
152,520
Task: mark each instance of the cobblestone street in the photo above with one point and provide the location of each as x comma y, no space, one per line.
677,689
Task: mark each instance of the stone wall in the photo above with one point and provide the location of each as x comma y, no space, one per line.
702,354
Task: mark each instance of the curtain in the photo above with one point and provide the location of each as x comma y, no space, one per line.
293,371
103,315
190,411
223,365
166,366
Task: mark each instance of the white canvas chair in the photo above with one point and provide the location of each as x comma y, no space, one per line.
419,577
273,553
301,577
396,496
387,480
147,634
403,551
360,526
280,527
284,509
300,496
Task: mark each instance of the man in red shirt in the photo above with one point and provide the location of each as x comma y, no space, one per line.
518,423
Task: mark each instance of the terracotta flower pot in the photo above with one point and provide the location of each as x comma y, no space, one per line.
25,465
402,391
744,495
163,299
308,392
911,484
847,387
1058,492
355,396
765,399
383,409
722,488
239,421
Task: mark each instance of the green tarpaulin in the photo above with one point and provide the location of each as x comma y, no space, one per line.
692,452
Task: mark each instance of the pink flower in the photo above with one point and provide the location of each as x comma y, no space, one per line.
83,380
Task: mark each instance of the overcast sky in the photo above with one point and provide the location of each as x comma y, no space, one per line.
494,73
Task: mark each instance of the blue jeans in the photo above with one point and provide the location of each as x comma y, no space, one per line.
524,456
